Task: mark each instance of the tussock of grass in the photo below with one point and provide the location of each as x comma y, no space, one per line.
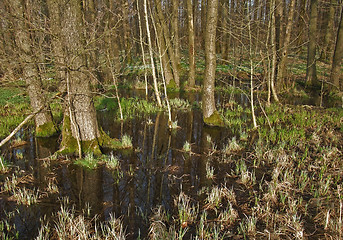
131,107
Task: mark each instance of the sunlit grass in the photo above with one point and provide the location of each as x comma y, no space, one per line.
89,161
15,105
26,196
4,165
112,162
126,141
187,147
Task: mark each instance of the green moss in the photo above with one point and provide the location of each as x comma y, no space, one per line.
69,143
172,87
214,120
70,146
46,130
107,142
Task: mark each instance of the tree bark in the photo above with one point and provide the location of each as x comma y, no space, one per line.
274,51
175,30
80,127
191,75
286,42
210,114
168,41
165,60
203,22
336,73
329,31
43,120
157,93
311,72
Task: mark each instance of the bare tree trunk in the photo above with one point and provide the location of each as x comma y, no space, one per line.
203,21
44,124
142,48
126,29
157,93
168,42
175,30
225,42
167,72
336,73
286,42
191,76
210,114
311,72
251,75
329,31
274,50
161,54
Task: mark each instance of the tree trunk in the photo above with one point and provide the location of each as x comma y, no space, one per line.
274,51
175,30
43,120
336,72
168,42
286,42
224,44
329,31
80,127
57,45
203,21
191,76
311,72
168,75
210,114
157,93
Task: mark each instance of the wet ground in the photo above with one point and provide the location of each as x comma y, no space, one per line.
152,174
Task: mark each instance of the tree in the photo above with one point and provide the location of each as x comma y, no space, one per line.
191,76
210,114
286,42
175,30
168,42
45,126
311,72
330,18
336,75
80,132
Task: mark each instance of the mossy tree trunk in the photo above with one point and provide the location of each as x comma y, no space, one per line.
80,127
210,114
23,39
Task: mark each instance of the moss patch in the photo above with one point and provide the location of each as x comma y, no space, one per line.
69,144
172,87
214,120
46,130
107,142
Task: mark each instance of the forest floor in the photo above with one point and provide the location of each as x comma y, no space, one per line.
282,180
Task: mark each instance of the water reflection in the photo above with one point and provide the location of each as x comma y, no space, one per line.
153,174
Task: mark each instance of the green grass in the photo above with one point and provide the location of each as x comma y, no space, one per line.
89,162
14,107
131,107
